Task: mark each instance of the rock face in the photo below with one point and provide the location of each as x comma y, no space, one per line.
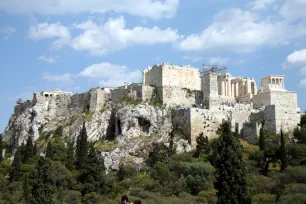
130,130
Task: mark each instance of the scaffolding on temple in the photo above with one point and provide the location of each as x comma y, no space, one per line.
213,69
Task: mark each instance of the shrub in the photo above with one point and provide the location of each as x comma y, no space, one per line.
263,198
293,199
294,188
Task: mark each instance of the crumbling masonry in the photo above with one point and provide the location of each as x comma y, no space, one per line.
199,102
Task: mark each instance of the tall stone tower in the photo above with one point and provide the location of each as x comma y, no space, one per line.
210,90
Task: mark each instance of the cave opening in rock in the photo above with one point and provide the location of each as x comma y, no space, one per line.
119,127
144,124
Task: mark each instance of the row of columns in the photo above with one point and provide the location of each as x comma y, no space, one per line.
237,88
277,82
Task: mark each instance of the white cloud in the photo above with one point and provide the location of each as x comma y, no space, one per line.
293,10
303,71
241,31
193,58
261,4
110,75
50,31
303,83
297,58
101,39
147,8
218,60
48,59
7,31
58,77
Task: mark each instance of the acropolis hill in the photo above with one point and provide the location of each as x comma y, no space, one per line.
170,99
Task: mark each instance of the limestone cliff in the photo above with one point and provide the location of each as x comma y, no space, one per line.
127,131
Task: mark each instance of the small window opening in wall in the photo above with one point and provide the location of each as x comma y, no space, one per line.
46,95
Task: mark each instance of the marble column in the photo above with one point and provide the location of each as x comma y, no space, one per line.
237,89
222,88
226,90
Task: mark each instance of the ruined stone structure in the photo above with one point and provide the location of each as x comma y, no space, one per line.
195,103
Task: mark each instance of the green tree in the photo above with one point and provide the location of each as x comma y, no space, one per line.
28,150
43,186
160,153
303,120
81,148
70,161
262,141
1,149
50,151
34,149
230,168
16,166
202,145
271,154
92,173
283,152
299,134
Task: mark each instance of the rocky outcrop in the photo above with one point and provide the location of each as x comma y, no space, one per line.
133,128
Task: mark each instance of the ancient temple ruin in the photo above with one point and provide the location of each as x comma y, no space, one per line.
199,102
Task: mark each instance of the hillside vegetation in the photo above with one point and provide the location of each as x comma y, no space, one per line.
272,172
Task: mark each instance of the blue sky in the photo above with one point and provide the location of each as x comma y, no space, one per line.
76,45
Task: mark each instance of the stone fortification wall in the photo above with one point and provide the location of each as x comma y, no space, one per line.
173,76
250,132
211,98
173,96
199,98
206,121
20,108
98,98
152,76
192,121
147,93
92,101
286,118
79,101
55,107
182,123
278,98
182,77
133,92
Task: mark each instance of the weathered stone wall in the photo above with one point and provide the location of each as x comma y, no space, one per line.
284,98
20,108
210,90
147,93
199,98
173,76
133,92
181,122
98,98
193,121
152,76
205,121
79,102
278,98
182,77
173,96
250,132
286,118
